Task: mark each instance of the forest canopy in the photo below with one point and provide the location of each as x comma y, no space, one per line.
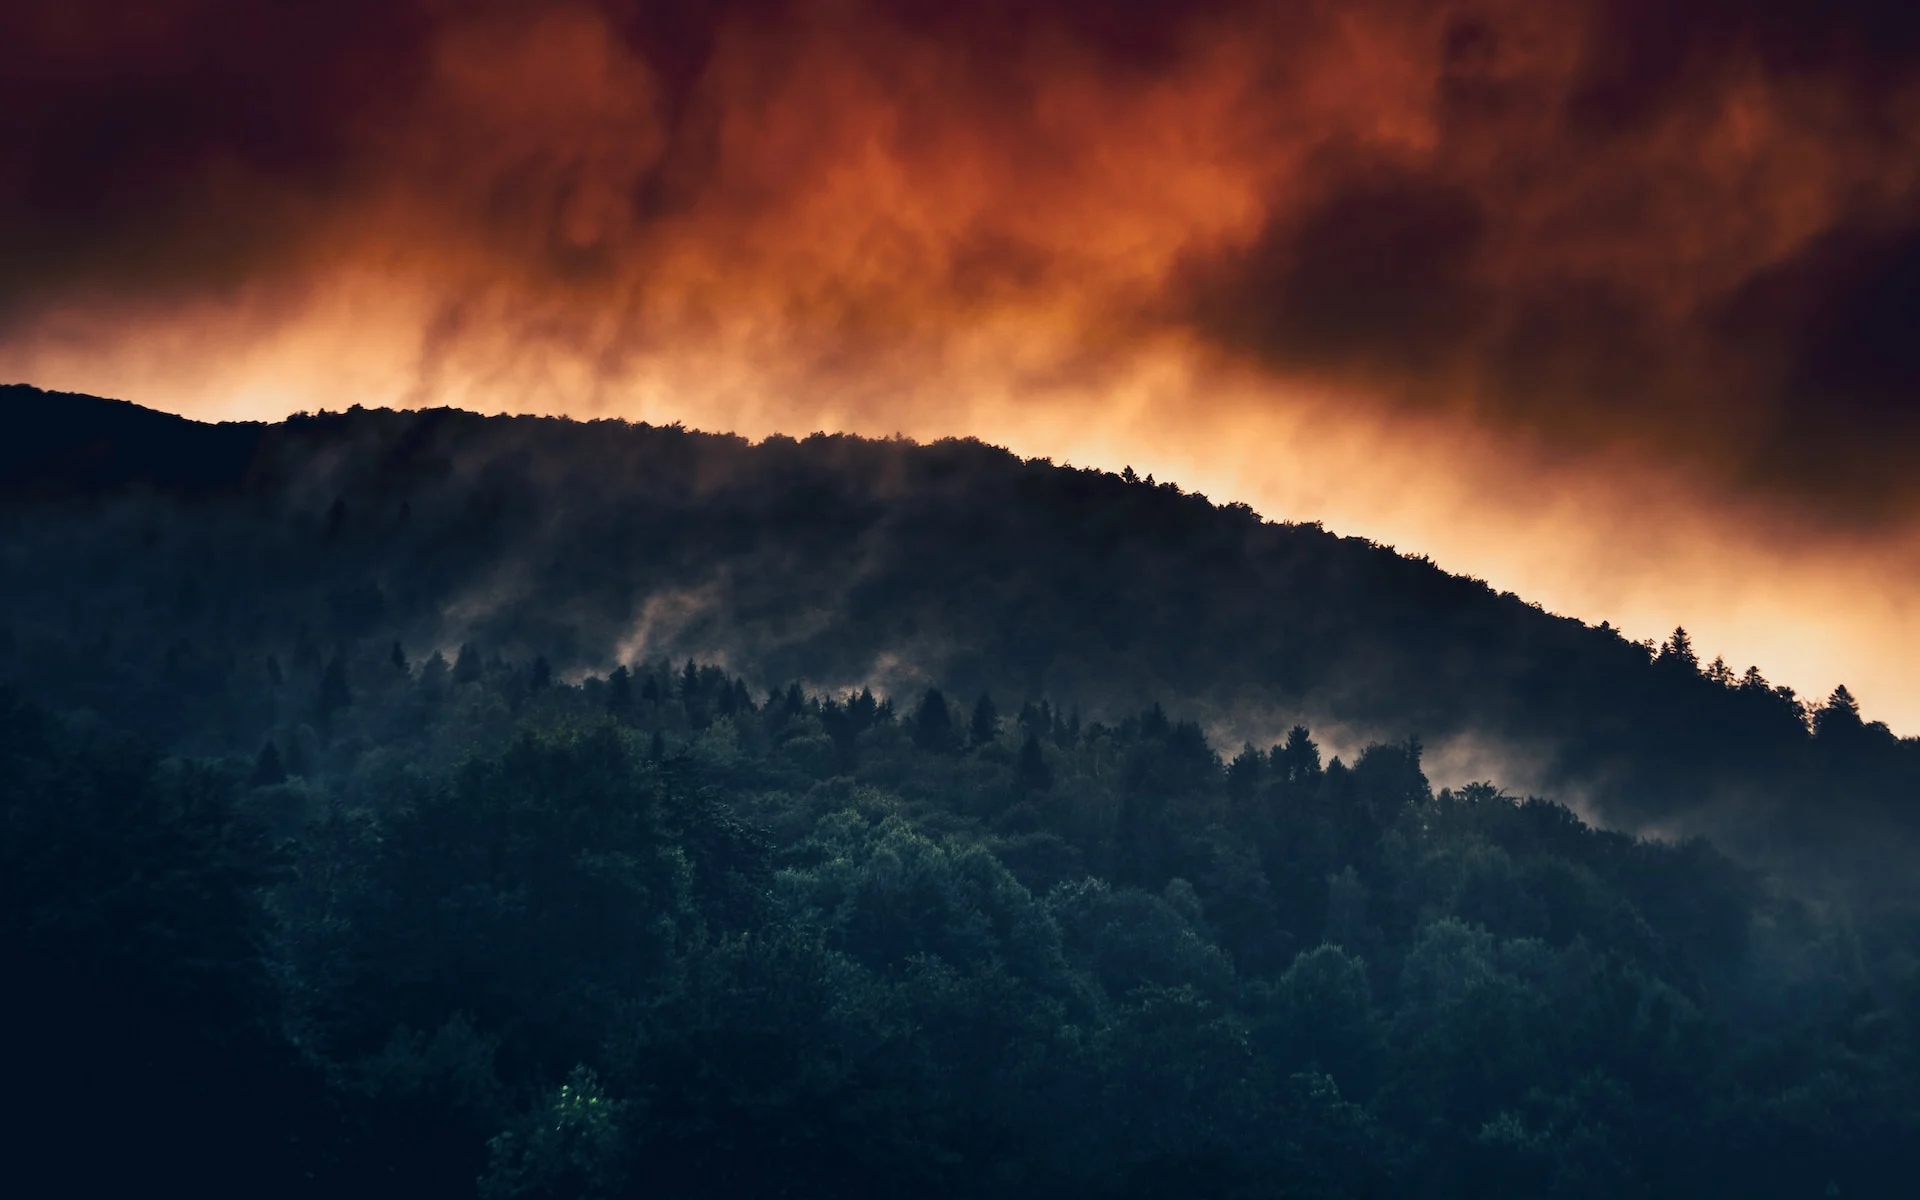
156,565
358,836
478,932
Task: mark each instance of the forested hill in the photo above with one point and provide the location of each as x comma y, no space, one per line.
421,804
159,571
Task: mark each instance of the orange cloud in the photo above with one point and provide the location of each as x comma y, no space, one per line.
1602,302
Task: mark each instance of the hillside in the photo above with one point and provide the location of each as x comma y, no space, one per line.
436,805
467,930
157,565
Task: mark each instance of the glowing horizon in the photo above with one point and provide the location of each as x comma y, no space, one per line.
1603,305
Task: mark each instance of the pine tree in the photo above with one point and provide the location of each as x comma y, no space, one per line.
932,723
1298,762
466,668
863,710
1243,773
620,690
1678,651
1839,716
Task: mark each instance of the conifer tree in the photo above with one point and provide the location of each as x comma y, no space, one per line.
620,690
932,724
466,668
1839,716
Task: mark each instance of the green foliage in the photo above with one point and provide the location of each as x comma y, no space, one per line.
590,941
1320,1017
572,1148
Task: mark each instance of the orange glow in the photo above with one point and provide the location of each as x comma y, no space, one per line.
851,221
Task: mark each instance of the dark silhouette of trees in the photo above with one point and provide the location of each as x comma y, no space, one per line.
136,991
476,929
1106,590
467,667
810,950
932,723
620,690
1678,652
1839,717
1245,772
1298,761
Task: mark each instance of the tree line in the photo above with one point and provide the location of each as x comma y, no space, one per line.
466,926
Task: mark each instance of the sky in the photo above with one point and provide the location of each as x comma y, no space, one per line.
1611,304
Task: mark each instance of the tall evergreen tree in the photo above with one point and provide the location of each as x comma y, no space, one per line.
467,668
1839,717
932,723
620,690
1298,761
1677,651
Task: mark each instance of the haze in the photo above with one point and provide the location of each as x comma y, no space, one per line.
1608,304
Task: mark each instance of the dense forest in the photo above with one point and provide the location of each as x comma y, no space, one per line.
464,927
154,565
427,804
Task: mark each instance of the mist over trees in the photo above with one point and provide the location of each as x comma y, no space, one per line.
661,933
158,567
429,804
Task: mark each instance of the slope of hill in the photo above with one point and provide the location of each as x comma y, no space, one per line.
161,570
435,866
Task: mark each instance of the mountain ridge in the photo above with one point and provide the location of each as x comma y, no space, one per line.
844,561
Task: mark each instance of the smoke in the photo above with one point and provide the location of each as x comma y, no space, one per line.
1607,302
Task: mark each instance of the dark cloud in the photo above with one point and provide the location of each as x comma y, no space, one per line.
1375,273
1687,231
1840,320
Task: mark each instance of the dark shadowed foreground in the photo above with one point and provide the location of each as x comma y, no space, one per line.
469,928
